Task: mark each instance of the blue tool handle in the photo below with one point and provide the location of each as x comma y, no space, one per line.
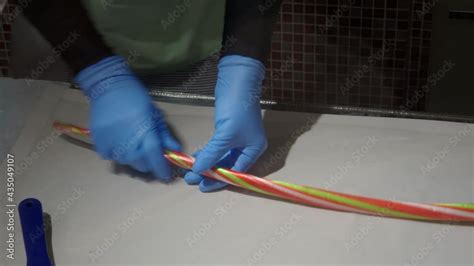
31,218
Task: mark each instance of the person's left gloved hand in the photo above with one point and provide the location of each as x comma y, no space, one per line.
239,137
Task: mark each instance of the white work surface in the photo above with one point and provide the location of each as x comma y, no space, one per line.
116,219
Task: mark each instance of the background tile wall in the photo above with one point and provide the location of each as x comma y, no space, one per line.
365,53
5,35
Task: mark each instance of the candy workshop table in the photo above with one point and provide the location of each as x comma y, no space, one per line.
103,216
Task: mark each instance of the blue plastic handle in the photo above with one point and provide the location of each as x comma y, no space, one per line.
31,218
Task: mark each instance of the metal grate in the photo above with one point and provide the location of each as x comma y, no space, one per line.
359,53
362,53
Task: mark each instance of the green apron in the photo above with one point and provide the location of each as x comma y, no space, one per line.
159,35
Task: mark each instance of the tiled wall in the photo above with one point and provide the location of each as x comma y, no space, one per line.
367,53
419,48
5,35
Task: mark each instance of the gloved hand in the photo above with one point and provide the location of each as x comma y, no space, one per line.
126,127
239,137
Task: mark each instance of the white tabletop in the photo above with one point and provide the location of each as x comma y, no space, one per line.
101,217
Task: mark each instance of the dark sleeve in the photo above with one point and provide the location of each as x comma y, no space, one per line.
66,25
248,27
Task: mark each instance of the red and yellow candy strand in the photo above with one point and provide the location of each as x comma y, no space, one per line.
438,212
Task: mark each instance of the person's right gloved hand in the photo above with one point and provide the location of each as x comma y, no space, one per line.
126,127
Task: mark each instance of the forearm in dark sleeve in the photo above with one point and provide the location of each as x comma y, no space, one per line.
249,24
66,25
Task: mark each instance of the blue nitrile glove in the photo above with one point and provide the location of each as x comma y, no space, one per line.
126,127
239,137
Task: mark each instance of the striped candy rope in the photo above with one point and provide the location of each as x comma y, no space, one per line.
321,198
